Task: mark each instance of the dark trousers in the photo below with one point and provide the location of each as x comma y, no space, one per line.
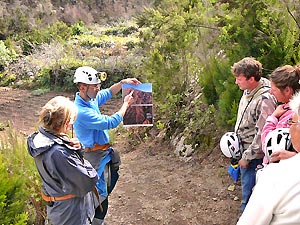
101,214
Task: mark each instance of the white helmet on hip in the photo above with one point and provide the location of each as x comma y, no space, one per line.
276,140
230,145
86,75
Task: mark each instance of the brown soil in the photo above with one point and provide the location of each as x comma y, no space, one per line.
155,186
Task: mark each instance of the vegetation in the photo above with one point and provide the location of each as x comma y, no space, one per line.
182,45
185,48
20,201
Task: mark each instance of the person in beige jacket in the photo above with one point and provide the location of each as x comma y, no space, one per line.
255,106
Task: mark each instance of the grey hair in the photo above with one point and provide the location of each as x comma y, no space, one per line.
295,104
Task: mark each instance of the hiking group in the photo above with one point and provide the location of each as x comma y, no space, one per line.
78,173
264,144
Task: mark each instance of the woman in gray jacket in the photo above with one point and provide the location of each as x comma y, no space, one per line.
68,180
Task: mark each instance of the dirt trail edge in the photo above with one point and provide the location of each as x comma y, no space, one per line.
155,186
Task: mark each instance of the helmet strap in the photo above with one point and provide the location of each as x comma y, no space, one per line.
86,93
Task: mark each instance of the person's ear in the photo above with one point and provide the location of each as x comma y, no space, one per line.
252,80
288,91
81,87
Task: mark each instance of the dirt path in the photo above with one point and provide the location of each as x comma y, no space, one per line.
155,187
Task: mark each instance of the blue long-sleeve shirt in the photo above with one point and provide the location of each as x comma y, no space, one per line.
91,126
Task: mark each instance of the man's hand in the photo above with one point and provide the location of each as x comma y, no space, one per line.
243,163
115,88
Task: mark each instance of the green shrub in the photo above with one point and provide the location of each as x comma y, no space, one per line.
58,31
17,22
59,76
17,172
12,196
219,89
121,31
91,40
6,55
7,79
78,28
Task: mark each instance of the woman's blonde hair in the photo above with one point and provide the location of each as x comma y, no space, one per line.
56,113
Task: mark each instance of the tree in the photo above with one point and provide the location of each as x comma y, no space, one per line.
174,33
265,29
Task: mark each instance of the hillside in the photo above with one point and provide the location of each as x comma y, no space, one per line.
46,12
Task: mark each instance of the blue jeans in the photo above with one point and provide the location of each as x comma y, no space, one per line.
248,177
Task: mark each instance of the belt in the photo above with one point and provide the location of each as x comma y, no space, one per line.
97,147
53,199
65,197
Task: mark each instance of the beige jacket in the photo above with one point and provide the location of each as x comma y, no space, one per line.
254,108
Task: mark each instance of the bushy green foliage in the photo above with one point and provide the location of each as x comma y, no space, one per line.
251,28
91,40
247,28
219,89
104,43
58,76
58,31
7,79
7,55
192,117
177,36
16,168
121,30
12,198
173,35
56,51
201,132
267,30
78,28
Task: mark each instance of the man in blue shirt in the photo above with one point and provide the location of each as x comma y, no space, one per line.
91,128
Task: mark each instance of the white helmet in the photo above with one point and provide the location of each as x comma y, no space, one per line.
276,140
230,145
88,75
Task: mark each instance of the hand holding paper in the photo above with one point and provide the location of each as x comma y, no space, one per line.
140,111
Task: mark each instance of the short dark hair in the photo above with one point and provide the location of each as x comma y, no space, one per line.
249,67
